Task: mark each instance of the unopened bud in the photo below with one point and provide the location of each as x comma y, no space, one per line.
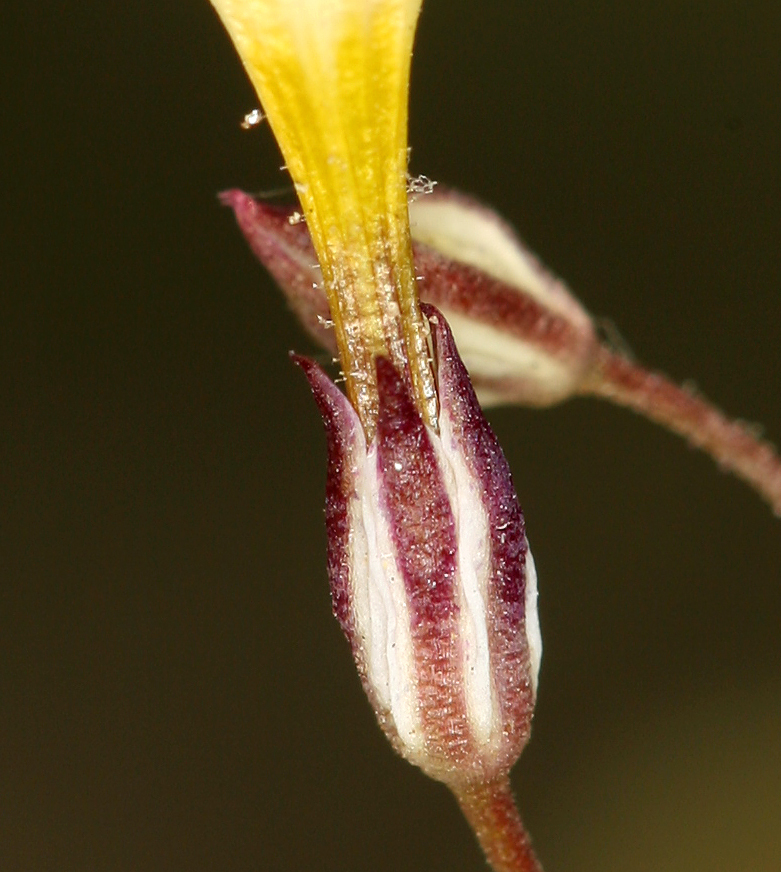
523,336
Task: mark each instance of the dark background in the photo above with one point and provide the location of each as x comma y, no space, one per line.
174,694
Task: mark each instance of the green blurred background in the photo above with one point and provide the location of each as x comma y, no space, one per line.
174,694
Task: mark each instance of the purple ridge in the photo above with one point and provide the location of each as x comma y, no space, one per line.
415,499
419,515
346,445
483,454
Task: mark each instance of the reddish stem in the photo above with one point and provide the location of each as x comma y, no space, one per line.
732,444
493,815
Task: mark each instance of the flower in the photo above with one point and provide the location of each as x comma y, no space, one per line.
431,575
333,78
430,570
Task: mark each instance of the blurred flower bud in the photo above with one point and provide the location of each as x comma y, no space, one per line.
431,576
522,335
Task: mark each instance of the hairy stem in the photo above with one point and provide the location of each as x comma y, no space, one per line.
732,444
493,815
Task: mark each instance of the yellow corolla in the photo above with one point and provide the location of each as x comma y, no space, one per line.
333,79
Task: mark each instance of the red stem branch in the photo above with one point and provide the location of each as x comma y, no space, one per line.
732,444
493,815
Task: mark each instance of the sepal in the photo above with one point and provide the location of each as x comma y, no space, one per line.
431,575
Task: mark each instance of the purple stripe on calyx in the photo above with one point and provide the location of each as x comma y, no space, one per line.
417,509
460,413
462,288
346,449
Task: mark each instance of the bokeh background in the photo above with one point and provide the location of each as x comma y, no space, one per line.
174,694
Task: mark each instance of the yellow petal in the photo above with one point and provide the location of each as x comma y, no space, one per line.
333,78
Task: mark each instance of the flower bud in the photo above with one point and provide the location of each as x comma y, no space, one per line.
521,333
431,575
523,336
